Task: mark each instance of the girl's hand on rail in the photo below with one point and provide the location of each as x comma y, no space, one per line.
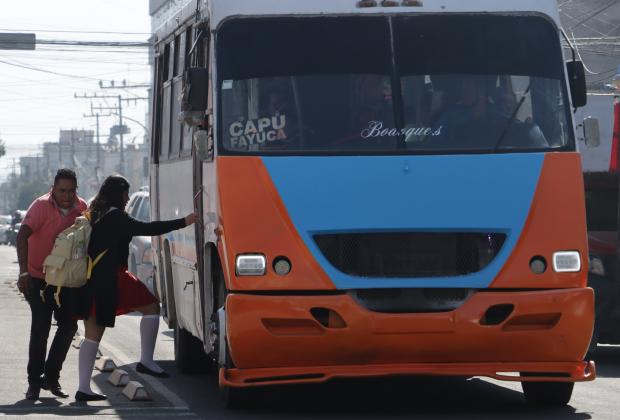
191,218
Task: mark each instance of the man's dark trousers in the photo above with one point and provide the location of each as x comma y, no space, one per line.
42,310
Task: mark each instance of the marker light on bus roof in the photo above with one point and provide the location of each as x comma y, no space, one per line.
250,265
566,261
367,3
390,3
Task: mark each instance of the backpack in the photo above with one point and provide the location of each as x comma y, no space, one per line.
69,265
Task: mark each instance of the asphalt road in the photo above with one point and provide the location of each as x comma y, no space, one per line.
196,396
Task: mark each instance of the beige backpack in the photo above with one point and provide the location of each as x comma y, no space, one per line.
69,265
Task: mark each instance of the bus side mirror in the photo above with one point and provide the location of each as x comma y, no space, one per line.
591,133
577,83
203,144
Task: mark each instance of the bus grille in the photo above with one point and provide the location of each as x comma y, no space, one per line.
410,254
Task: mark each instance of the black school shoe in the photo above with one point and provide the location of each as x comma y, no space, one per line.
143,369
82,396
53,387
33,392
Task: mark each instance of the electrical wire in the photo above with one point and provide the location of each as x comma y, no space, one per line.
74,32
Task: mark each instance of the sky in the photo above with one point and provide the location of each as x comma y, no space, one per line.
36,104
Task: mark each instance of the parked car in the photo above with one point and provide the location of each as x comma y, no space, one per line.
5,224
4,234
140,260
602,213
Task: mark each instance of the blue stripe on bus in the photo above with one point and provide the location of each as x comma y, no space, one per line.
464,193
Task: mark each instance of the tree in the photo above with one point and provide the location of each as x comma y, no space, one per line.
2,149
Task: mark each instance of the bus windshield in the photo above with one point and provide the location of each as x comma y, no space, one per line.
405,84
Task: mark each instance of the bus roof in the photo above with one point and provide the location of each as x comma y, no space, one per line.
216,11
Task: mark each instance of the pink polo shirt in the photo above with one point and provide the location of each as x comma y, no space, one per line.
46,220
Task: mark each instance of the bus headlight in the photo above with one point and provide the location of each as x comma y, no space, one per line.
566,261
250,265
596,266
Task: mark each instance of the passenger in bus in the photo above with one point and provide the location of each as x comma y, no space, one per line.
372,112
481,121
284,132
112,290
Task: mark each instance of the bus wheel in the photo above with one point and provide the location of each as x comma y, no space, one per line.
188,352
549,394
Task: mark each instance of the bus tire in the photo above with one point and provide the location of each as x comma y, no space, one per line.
188,352
548,394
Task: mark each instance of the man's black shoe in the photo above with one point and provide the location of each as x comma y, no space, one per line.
33,392
143,369
54,387
82,396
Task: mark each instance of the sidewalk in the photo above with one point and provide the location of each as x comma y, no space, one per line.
14,335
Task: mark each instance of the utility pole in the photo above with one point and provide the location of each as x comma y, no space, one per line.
123,85
119,111
97,135
73,149
120,123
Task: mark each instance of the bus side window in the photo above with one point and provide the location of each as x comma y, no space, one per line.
186,139
157,108
177,83
165,108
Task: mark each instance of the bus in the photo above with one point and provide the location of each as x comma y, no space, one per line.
385,188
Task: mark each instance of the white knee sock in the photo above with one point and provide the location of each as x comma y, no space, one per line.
86,362
149,325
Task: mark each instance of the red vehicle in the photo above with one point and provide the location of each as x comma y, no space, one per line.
602,214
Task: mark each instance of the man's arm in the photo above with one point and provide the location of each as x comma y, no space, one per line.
23,282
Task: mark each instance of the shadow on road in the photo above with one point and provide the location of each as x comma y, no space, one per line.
397,397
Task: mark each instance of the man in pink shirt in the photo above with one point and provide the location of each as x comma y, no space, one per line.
47,216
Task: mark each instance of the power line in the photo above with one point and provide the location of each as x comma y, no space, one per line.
593,14
46,71
74,76
74,32
125,44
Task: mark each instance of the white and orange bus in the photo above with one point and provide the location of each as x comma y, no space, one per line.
385,187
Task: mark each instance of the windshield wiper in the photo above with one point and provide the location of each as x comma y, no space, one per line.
513,117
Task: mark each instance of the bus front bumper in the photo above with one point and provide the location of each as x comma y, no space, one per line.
302,339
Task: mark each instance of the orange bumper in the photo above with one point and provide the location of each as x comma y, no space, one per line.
277,339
